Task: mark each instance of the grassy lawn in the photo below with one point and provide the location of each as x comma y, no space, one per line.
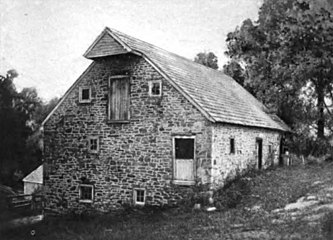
267,190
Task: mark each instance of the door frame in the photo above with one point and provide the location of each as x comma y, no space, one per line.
175,180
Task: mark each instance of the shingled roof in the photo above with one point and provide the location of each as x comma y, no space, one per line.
219,97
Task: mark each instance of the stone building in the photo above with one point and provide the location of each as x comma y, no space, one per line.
141,125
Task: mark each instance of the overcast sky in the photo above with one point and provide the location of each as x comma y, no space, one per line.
44,40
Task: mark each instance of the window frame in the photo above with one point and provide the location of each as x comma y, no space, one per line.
180,181
92,193
151,84
80,95
109,107
89,144
135,196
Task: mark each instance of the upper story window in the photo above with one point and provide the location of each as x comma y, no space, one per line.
155,88
84,94
119,98
93,144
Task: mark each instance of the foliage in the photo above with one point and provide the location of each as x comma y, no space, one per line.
13,126
235,70
20,139
233,192
44,109
287,55
207,59
327,225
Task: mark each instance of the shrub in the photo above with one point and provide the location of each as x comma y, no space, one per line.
327,226
233,192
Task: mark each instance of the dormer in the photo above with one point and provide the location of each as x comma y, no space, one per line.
106,44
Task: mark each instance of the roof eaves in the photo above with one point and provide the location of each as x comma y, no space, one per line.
67,93
253,126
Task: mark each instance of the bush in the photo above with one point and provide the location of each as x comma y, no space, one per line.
233,192
309,146
327,226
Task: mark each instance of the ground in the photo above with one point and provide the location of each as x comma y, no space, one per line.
284,203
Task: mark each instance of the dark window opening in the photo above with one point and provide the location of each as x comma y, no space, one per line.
140,196
86,192
85,94
156,89
232,145
270,149
93,144
184,148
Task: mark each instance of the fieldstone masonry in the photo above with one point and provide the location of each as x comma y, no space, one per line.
137,154
131,155
226,165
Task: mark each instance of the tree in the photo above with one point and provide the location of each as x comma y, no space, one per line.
235,70
43,110
12,125
16,111
208,59
287,54
35,141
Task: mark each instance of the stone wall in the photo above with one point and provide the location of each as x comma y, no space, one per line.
131,155
226,165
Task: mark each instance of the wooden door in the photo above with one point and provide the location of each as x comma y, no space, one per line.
259,152
184,159
119,99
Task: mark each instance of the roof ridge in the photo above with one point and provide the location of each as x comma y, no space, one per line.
172,53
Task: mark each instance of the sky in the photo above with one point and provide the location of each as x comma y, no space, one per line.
44,40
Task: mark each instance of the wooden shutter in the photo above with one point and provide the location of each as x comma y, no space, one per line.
119,99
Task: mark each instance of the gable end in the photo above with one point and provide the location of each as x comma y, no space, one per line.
67,93
106,45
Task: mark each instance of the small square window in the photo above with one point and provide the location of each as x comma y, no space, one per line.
85,95
155,88
86,193
232,146
93,144
139,196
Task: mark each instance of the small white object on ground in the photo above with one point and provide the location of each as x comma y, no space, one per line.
210,209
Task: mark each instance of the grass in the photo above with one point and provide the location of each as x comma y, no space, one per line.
268,189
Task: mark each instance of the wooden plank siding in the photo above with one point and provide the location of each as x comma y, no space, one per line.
119,99
184,169
105,47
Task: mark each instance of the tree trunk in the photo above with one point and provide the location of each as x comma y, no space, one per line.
321,117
